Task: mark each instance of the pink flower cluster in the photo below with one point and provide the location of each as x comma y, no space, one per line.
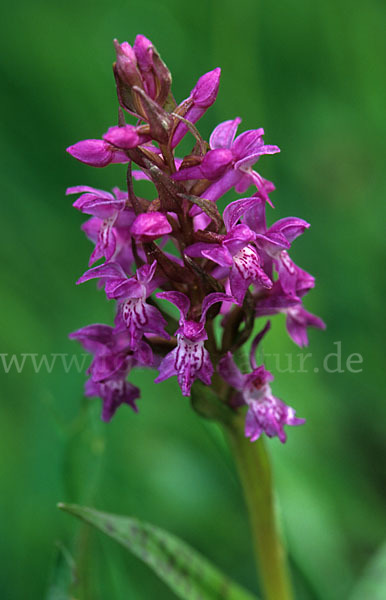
220,271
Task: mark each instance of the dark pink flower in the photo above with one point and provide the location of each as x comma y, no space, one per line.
111,218
265,412
237,252
229,162
190,359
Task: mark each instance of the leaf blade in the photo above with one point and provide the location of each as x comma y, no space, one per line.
372,583
183,569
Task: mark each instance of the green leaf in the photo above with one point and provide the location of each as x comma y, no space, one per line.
63,575
183,569
372,584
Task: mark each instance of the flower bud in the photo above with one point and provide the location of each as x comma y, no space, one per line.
150,226
96,153
201,98
205,91
155,74
127,64
126,75
125,137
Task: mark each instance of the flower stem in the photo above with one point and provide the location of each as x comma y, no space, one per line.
255,474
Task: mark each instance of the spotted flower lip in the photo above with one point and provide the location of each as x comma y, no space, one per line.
134,313
114,393
274,242
237,253
190,359
266,413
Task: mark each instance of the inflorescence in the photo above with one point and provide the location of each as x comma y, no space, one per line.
231,266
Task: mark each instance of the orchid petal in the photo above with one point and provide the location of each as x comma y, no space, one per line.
224,134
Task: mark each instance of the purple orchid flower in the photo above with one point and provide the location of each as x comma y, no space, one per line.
297,318
229,162
236,252
112,218
112,351
190,359
112,362
274,242
265,412
201,98
134,313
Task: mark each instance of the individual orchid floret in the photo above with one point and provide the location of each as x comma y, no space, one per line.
274,242
110,219
201,98
133,311
111,364
236,252
150,226
190,359
266,413
97,153
297,318
112,352
229,162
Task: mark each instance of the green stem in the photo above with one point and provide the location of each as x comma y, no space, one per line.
256,478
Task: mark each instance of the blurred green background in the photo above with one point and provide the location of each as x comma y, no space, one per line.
313,75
